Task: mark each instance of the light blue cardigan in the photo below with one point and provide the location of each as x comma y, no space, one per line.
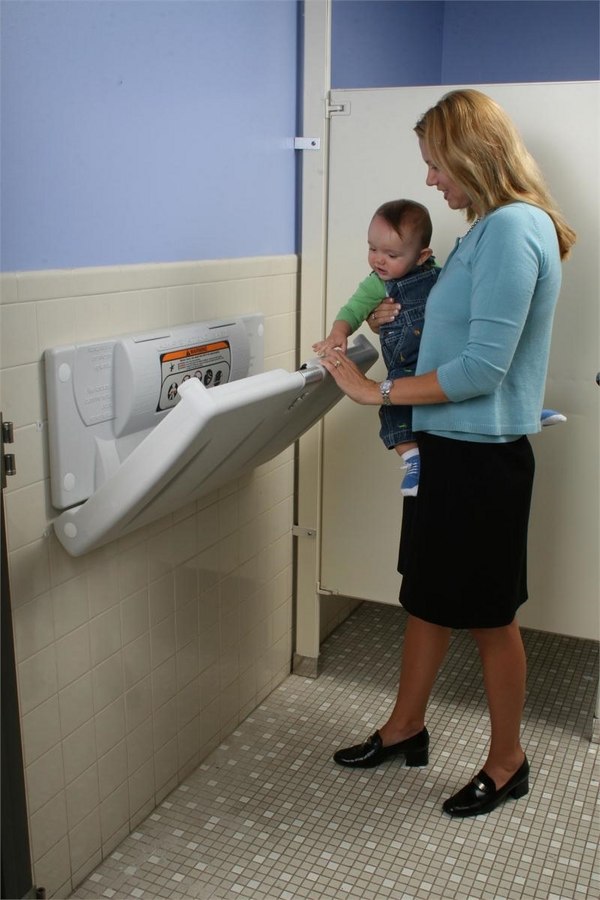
488,325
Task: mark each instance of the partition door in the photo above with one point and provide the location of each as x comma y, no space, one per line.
374,156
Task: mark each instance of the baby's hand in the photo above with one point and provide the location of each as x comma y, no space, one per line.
330,343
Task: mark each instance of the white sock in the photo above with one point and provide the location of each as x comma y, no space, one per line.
408,454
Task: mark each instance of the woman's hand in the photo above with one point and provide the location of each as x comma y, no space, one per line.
350,379
383,314
414,391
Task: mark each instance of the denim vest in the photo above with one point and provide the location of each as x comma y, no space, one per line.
400,345
400,339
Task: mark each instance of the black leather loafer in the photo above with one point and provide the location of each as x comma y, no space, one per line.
480,795
415,751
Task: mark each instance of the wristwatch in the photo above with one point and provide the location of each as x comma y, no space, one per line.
385,388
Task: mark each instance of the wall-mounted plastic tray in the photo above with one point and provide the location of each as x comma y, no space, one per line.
209,438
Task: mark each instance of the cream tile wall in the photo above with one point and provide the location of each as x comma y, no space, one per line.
135,660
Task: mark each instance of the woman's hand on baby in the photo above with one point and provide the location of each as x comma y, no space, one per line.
383,314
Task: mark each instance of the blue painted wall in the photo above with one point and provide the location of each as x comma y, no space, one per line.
395,43
143,131
386,43
161,130
517,40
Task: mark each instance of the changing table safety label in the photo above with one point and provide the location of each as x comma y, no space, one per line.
209,363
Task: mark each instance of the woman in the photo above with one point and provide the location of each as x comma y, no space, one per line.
477,393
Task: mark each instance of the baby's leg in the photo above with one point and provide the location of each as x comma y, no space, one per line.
409,452
406,445
551,417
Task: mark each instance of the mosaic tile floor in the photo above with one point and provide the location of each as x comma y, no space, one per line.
268,815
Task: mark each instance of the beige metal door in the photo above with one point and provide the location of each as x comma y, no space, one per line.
373,156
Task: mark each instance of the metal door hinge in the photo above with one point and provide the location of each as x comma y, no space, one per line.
307,143
328,591
299,531
337,109
7,460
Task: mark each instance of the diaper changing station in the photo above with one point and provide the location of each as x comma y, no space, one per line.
141,425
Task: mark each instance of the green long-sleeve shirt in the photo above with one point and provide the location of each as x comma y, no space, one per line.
363,301
372,290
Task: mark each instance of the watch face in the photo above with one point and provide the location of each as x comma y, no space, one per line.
385,388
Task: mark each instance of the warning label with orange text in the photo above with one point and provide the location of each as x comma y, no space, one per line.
209,363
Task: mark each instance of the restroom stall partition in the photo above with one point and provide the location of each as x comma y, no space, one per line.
373,157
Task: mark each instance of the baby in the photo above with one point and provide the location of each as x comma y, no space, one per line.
403,268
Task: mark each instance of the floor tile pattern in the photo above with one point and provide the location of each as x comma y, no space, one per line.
269,815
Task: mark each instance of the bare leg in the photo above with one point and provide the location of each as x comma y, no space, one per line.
407,445
425,647
504,672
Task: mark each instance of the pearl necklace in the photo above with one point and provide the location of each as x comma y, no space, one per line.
473,224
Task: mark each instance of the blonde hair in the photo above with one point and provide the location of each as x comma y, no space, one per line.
471,137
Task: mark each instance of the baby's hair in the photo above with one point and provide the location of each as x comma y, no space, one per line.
407,217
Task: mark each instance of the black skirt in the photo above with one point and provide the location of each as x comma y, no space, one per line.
463,546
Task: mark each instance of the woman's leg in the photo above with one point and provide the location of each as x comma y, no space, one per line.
424,649
504,673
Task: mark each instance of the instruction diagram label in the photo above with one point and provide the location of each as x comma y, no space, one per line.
209,363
